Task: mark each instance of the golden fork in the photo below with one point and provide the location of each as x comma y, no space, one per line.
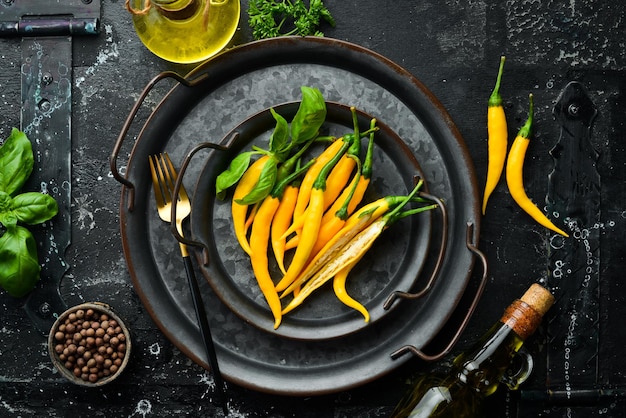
164,177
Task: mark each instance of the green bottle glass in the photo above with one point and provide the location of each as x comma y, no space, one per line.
477,373
185,31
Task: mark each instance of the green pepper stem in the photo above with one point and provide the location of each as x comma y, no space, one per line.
369,155
320,181
525,130
279,187
415,211
357,136
495,99
391,216
287,167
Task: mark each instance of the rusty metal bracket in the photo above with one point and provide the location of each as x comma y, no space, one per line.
46,29
574,194
46,18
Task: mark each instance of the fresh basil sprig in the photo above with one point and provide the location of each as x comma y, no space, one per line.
286,137
19,264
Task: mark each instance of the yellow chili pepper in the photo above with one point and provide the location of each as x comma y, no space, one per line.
339,287
266,215
363,181
330,228
498,136
251,214
514,175
259,238
353,250
310,176
281,222
339,176
359,184
355,224
240,211
311,226
337,179
292,243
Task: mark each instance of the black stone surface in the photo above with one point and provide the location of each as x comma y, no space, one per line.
453,47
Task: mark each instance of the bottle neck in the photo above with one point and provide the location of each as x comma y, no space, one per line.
171,9
521,318
177,9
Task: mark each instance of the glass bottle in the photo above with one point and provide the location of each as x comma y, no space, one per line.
477,373
185,31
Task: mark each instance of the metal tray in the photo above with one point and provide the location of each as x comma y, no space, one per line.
205,106
394,262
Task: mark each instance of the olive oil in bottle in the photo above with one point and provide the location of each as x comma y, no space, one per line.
477,373
185,31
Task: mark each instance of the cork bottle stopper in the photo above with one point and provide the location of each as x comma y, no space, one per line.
539,298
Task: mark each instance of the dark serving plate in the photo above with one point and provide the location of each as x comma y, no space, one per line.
393,263
208,104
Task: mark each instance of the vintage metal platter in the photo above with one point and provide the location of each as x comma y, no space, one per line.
240,83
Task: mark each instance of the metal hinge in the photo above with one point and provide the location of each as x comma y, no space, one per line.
46,17
47,28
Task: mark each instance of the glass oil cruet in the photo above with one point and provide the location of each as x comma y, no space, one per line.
185,31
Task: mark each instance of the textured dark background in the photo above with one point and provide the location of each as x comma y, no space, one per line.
453,47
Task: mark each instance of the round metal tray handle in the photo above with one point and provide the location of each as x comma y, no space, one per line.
398,294
129,120
177,185
470,243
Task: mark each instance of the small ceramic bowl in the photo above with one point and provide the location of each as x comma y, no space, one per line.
89,344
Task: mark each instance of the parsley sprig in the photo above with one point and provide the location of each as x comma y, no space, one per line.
272,18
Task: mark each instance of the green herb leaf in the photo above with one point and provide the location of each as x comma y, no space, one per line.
7,217
279,140
309,117
19,266
272,18
16,162
264,186
34,208
230,176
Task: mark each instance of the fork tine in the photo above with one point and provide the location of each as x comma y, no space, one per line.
156,181
165,180
182,192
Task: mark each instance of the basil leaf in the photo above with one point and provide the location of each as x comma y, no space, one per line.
6,202
228,177
34,208
7,217
279,140
264,185
16,162
19,265
309,117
